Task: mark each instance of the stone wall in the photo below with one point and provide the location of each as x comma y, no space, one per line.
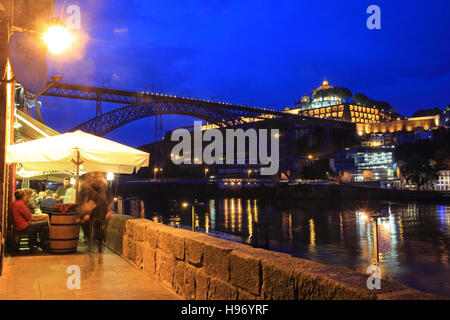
197,266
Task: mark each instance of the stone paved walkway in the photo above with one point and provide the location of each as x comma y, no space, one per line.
104,276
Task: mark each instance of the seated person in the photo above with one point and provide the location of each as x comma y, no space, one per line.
31,203
49,203
22,220
41,196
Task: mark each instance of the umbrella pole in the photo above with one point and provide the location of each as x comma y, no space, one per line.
77,181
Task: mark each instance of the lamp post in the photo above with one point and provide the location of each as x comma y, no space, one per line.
192,205
206,172
186,205
374,218
155,171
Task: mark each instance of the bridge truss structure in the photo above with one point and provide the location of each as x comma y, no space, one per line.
140,105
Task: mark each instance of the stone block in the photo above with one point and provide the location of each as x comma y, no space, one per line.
164,241
139,230
128,248
245,272
149,260
165,267
178,277
151,235
201,285
114,240
217,261
221,290
189,285
194,252
244,295
139,254
278,281
177,246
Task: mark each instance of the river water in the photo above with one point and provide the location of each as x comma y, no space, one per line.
414,238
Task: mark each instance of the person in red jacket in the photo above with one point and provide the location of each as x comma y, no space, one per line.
23,223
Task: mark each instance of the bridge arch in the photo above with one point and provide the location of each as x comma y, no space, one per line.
115,119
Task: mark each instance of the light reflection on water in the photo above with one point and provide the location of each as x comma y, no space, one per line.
330,233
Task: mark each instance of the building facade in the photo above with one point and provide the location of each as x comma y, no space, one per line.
331,106
365,164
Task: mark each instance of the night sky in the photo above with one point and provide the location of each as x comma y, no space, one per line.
263,53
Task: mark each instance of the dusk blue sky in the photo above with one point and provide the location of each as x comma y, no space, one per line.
264,53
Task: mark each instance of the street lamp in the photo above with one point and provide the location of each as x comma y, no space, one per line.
206,172
154,173
192,205
110,176
58,39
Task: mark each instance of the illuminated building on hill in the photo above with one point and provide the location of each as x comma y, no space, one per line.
325,103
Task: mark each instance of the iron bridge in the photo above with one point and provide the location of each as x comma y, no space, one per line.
140,105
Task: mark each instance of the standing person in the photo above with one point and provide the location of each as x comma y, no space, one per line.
22,220
61,191
95,207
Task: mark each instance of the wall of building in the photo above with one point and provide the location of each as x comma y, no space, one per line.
427,123
197,266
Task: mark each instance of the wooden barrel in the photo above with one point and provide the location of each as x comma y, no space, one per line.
64,233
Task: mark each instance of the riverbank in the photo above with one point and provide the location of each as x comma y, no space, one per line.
198,189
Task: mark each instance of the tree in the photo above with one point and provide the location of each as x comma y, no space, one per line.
342,93
362,100
427,112
420,171
319,170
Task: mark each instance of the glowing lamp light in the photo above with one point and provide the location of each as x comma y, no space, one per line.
363,217
72,181
110,176
185,204
58,39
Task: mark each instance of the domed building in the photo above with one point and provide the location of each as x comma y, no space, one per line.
322,97
328,102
